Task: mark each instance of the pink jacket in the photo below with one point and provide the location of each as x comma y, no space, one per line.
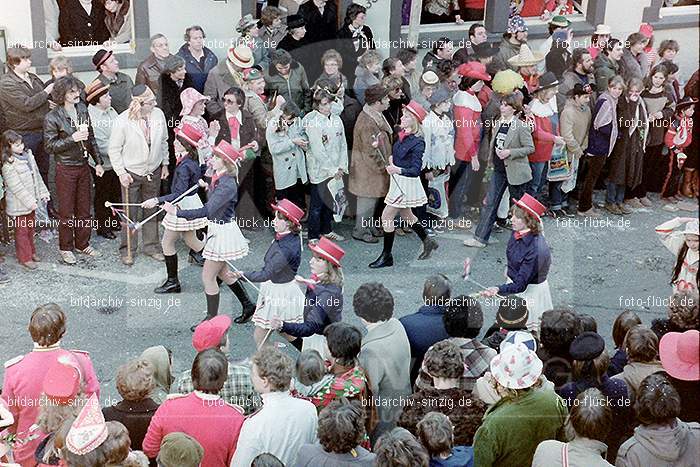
22,388
467,117
213,422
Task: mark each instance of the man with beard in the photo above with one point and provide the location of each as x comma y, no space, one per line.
513,38
581,72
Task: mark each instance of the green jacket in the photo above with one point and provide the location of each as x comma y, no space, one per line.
512,428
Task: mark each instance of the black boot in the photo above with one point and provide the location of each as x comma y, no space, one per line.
242,296
429,244
196,257
171,284
385,259
212,309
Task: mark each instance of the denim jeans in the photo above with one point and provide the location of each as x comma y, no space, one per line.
557,198
320,210
616,193
460,179
497,186
539,176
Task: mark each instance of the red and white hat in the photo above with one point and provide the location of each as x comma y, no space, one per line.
241,56
290,210
88,430
516,367
473,70
328,250
417,110
190,134
62,381
227,152
531,205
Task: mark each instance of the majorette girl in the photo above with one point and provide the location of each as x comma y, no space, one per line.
529,260
324,299
405,189
280,294
224,242
187,174
683,244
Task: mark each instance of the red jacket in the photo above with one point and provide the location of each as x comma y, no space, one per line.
543,134
214,423
467,117
679,134
22,389
532,8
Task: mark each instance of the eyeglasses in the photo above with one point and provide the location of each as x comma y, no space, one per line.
230,101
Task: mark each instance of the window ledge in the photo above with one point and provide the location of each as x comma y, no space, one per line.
89,51
678,17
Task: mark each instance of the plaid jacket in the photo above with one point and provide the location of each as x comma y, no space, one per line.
238,388
477,358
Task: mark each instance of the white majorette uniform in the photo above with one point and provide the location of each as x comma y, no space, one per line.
224,238
405,189
280,295
187,174
527,278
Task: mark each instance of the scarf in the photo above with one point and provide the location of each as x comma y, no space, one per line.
607,114
137,102
378,118
115,21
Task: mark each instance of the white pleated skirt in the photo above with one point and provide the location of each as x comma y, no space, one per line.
225,242
405,192
285,301
180,224
539,300
316,342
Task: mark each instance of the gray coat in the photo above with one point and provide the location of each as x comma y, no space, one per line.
567,83
363,80
386,357
630,66
605,69
519,141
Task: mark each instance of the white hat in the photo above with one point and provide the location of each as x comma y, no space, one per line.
526,57
430,77
691,228
241,56
516,367
602,30
518,337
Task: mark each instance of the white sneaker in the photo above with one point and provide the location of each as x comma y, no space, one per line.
474,243
68,257
335,237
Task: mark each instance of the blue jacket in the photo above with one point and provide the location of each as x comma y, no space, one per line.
462,456
528,263
187,173
617,362
282,261
599,140
423,328
614,389
408,154
221,205
323,305
193,68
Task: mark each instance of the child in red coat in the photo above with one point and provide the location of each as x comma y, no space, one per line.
678,137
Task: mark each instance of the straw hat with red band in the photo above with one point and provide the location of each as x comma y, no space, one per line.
416,110
241,56
531,205
290,210
473,70
88,430
227,152
95,90
190,134
328,250
62,381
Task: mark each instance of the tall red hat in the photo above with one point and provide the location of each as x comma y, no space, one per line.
531,205
62,381
227,152
190,134
417,110
290,210
473,70
328,250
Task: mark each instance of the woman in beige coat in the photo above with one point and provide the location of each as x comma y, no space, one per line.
369,180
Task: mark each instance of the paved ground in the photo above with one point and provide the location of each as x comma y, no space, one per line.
598,268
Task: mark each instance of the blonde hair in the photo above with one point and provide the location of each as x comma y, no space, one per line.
332,275
60,63
135,380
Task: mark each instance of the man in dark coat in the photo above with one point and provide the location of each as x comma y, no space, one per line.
82,23
321,19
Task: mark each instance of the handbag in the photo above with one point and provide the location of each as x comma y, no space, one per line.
437,196
559,166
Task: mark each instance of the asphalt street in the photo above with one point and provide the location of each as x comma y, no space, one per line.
600,266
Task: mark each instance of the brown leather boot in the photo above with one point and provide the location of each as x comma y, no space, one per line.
687,185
